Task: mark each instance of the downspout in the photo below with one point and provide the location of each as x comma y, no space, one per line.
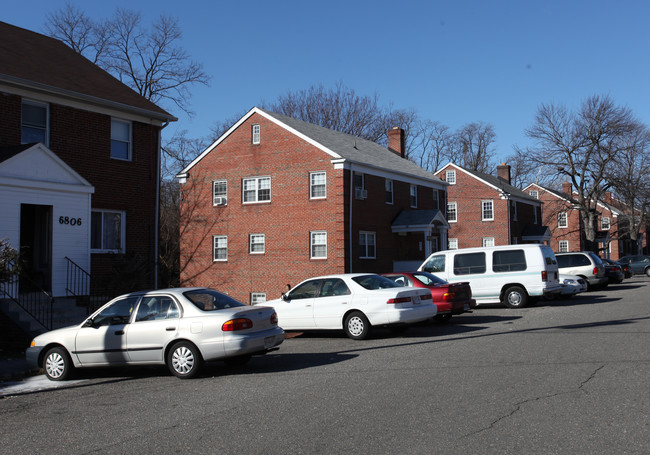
156,245
350,215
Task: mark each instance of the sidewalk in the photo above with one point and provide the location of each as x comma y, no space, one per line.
15,368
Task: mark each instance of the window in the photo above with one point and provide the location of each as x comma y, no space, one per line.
562,220
317,185
514,210
452,212
367,241
220,192
257,189
220,243
453,244
563,246
469,263
509,261
604,223
157,308
435,264
487,210
333,287
413,192
258,297
256,243
534,194
34,122
359,186
436,195
107,228
256,134
307,290
488,241
450,176
117,313
318,245
389,191
120,139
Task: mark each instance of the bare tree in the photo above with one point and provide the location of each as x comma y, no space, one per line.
472,147
580,146
430,144
342,109
150,61
629,181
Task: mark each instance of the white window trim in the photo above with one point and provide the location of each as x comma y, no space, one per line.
257,190
413,195
257,297
312,185
122,247
563,216
483,217
214,194
368,234
534,193
488,241
129,143
602,225
47,117
256,134
455,205
312,244
214,248
251,237
452,244
559,246
389,183
452,174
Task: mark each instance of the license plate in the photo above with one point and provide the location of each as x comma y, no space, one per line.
269,342
416,300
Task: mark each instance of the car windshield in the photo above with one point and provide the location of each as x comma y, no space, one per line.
428,279
372,282
211,300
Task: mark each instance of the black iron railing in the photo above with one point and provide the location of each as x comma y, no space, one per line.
30,297
77,280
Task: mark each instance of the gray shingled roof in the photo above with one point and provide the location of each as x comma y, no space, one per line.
354,149
501,184
415,217
29,58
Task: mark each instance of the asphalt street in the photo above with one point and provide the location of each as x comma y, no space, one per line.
561,377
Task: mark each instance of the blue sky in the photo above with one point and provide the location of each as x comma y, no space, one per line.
455,61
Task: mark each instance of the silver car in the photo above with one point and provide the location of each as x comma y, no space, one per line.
182,328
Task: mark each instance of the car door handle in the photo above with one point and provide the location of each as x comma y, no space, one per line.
119,332
307,305
170,329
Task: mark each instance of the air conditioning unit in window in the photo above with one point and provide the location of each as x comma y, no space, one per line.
360,193
220,201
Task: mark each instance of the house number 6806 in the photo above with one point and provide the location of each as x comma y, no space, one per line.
70,221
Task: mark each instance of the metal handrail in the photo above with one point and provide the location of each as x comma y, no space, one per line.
77,280
31,297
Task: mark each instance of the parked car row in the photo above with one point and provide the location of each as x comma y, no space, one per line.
185,327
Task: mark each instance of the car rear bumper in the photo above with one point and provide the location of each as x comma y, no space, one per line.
248,343
409,315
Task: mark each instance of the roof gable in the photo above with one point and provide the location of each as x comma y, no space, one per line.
36,165
342,147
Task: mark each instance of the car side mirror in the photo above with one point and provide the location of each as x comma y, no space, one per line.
285,297
88,323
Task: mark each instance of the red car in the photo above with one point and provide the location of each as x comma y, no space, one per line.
450,298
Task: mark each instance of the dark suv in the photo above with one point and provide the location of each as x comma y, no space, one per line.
585,264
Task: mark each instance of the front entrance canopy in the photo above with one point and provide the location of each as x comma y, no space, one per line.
536,234
419,221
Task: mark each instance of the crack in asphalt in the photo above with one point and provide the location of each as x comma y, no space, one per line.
519,405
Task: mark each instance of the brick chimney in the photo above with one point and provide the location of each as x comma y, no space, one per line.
396,141
567,188
607,197
503,172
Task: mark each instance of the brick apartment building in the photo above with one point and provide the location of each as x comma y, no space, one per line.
79,164
563,218
484,210
276,200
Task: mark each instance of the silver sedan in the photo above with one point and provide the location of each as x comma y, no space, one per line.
182,328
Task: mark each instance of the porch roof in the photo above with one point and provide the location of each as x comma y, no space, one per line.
419,220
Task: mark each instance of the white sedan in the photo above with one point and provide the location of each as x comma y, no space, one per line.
352,302
572,285
181,327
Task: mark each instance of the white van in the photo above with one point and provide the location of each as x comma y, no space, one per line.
510,274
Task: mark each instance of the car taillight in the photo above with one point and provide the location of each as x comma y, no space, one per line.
595,272
544,275
237,324
427,296
399,300
274,318
448,296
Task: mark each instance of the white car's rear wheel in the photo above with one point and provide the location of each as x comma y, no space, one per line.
356,326
184,360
